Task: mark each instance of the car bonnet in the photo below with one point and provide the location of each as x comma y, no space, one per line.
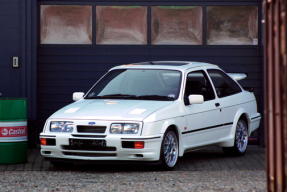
110,109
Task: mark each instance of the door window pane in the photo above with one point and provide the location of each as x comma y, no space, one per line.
66,24
197,83
121,25
223,84
232,25
176,25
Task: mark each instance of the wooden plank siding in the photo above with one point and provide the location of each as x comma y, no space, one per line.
10,41
64,70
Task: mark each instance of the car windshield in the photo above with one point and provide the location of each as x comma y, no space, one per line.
139,84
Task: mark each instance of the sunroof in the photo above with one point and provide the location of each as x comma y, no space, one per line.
170,63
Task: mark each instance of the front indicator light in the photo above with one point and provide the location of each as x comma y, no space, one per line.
43,141
48,142
139,144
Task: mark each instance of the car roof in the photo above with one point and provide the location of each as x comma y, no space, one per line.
172,65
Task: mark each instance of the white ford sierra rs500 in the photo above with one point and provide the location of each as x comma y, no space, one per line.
152,112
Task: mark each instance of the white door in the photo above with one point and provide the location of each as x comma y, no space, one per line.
204,121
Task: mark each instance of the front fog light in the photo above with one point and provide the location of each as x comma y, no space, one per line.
124,128
61,126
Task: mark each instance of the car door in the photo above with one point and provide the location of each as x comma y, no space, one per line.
204,121
229,95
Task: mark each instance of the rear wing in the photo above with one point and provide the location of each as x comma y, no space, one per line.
238,75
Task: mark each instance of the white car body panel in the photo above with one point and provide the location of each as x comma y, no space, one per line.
108,109
193,123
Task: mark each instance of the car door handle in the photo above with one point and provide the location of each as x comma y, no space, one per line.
217,104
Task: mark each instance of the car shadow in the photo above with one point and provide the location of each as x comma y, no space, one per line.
211,159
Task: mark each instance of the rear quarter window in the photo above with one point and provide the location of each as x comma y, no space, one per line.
223,84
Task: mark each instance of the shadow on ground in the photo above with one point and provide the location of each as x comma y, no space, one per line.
211,159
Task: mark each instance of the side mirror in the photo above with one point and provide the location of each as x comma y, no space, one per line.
77,96
195,99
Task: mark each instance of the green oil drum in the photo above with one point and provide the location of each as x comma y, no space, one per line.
14,109
13,130
13,152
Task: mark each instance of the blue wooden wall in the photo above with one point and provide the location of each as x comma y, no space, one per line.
18,38
10,45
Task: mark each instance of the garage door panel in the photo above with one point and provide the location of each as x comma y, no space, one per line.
134,59
229,67
76,67
66,82
51,106
60,90
71,75
63,98
196,51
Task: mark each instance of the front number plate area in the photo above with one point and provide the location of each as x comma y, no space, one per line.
87,143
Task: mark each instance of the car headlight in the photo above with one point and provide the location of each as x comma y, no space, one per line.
124,128
61,126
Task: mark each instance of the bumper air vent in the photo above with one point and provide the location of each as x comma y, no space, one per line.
90,154
86,148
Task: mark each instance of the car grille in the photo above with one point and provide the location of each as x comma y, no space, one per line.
91,129
90,154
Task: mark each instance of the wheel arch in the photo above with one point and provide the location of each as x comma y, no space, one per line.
175,128
241,113
230,147
244,116
179,137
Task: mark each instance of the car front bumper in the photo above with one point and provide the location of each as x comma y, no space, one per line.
114,151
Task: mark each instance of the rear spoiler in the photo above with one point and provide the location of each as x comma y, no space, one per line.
238,75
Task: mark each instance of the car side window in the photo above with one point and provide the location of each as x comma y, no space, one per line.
197,83
223,84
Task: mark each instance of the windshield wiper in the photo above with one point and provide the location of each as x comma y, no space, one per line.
118,95
127,96
156,97
93,97
112,96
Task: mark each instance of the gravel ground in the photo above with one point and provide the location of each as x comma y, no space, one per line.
203,170
225,180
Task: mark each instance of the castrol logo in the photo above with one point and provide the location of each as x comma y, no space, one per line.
4,132
18,131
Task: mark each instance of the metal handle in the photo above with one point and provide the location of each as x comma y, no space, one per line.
217,104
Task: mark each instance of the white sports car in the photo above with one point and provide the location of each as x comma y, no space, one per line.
152,112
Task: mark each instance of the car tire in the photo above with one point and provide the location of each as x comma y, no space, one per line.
169,149
240,140
61,164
